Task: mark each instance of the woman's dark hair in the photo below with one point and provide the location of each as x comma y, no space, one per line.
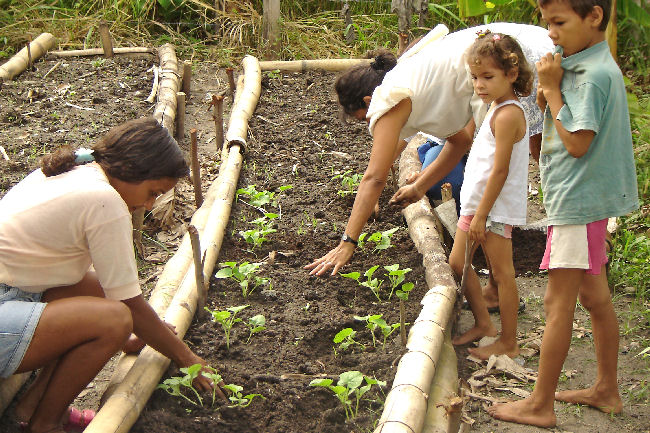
506,54
134,151
360,81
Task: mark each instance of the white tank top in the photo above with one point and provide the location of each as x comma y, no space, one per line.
510,205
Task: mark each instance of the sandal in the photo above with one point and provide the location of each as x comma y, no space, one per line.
78,420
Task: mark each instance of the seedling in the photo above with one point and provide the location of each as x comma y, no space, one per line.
261,198
349,383
375,322
257,237
176,384
374,284
227,318
237,398
345,338
396,276
349,183
382,239
244,274
255,324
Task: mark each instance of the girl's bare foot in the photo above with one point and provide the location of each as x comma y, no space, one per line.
524,412
476,333
608,402
497,348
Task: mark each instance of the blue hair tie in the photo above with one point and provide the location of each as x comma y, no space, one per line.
83,155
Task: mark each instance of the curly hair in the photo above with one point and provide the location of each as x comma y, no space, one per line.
134,151
506,54
360,81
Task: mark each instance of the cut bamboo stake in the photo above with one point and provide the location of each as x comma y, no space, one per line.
334,65
231,80
19,62
217,110
187,78
180,118
128,398
100,51
30,63
202,288
107,40
405,406
196,169
270,26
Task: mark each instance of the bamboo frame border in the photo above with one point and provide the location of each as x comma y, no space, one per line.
19,62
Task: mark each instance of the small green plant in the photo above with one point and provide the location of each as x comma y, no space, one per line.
227,318
374,322
255,324
175,385
345,338
382,239
244,274
348,389
396,276
236,397
257,237
349,183
374,284
98,62
260,198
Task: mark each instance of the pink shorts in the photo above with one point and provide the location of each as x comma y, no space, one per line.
500,229
580,246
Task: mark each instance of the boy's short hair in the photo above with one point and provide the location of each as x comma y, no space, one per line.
583,7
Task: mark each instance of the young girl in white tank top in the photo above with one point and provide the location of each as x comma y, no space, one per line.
493,195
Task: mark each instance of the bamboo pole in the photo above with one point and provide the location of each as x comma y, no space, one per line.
334,65
165,111
270,26
243,110
187,78
443,410
19,62
9,387
100,51
128,398
406,403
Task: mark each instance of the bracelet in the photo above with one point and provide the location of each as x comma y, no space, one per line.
346,238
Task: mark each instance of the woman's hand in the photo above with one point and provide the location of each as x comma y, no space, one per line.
477,229
406,195
336,258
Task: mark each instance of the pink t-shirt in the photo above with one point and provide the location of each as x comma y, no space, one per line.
52,229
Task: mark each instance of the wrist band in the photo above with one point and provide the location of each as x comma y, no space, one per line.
346,238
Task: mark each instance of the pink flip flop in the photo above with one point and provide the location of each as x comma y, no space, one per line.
78,420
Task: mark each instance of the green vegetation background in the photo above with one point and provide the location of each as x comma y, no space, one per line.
206,30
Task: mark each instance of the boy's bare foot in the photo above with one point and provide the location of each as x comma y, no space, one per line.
605,401
523,412
496,348
476,333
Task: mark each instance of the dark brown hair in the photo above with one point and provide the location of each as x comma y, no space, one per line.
506,54
360,81
134,151
584,7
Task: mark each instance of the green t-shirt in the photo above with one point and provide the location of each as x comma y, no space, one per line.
602,183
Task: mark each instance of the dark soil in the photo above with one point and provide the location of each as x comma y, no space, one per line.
295,139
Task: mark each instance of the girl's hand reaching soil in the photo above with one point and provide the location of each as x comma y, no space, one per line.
336,258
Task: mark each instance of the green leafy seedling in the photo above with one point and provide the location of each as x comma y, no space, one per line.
236,397
244,274
349,384
382,239
345,338
396,276
370,324
403,295
374,284
227,318
255,324
349,183
176,384
211,373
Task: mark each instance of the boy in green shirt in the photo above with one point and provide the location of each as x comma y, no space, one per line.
587,171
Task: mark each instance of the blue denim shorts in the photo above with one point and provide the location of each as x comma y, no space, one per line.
19,314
